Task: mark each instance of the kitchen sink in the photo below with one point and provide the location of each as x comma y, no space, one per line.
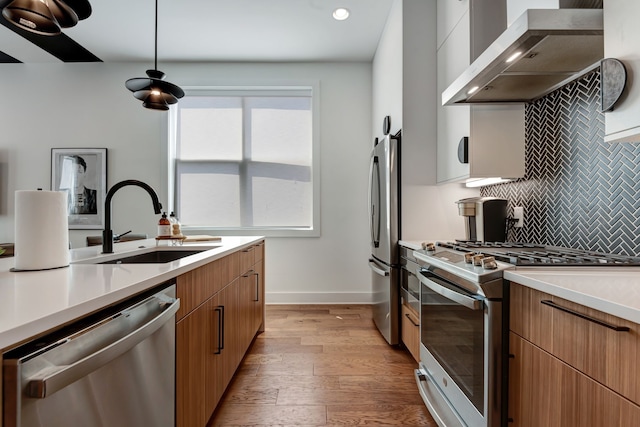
155,257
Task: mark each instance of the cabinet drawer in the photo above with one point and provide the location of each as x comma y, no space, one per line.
582,337
196,286
411,331
247,258
259,255
543,391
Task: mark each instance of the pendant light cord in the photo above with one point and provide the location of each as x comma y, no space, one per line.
155,58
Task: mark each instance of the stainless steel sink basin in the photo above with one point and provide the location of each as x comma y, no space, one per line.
155,257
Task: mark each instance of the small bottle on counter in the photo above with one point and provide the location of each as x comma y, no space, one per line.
176,230
164,226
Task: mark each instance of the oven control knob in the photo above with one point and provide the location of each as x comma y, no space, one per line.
468,257
430,247
489,263
477,260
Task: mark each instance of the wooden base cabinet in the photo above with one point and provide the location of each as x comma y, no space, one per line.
544,391
411,331
214,330
570,365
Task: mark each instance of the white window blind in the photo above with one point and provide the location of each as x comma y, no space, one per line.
244,161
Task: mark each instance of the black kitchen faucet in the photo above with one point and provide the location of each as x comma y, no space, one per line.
107,233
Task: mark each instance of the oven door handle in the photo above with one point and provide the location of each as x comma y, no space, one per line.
471,303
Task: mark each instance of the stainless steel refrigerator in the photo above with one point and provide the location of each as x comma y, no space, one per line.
384,206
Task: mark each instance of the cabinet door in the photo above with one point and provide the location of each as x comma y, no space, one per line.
543,391
622,41
257,299
223,355
448,14
584,338
411,331
246,296
453,121
192,344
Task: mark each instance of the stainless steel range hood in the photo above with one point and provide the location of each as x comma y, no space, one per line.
556,46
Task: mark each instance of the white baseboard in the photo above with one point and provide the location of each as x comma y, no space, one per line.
318,298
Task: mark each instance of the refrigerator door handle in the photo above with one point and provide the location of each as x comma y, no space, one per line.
376,269
374,217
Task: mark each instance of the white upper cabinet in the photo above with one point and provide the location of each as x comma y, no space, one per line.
449,13
495,132
622,41
453,121
404,86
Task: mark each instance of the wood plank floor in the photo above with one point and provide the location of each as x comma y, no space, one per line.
322,365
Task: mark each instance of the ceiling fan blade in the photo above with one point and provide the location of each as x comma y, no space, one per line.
82,8
65,16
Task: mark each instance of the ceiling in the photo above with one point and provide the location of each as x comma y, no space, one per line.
207,30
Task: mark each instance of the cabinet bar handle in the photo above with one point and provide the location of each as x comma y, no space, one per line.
220,310
257,287
585,317
411,319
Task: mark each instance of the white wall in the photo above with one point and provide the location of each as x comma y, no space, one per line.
86,105
404,86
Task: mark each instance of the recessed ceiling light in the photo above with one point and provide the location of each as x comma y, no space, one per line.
340,14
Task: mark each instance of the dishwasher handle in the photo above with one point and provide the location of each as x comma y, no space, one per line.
45,385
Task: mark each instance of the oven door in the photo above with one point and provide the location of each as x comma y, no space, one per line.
453,355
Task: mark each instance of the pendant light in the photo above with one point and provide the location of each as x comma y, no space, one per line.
46,17
154,92
33,16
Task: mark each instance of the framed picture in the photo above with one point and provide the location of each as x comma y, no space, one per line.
82,173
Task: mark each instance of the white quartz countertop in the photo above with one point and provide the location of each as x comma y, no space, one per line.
34,302
612,290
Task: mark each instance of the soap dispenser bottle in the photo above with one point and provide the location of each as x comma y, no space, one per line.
164,226
176,230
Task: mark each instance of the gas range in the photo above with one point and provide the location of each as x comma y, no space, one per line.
480,262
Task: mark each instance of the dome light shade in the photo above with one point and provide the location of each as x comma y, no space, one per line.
46,17
65,16
154,92
33,16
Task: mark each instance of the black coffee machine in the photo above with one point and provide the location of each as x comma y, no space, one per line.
485,218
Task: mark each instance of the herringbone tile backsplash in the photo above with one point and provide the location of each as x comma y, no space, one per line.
578,191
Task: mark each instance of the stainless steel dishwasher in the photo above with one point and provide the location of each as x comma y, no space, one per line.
113,368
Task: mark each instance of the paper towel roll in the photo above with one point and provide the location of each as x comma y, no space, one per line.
41,230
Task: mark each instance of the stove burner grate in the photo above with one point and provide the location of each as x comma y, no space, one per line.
531,254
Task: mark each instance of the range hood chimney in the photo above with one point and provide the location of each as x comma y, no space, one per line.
555,47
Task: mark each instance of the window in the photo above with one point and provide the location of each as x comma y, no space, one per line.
244,161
